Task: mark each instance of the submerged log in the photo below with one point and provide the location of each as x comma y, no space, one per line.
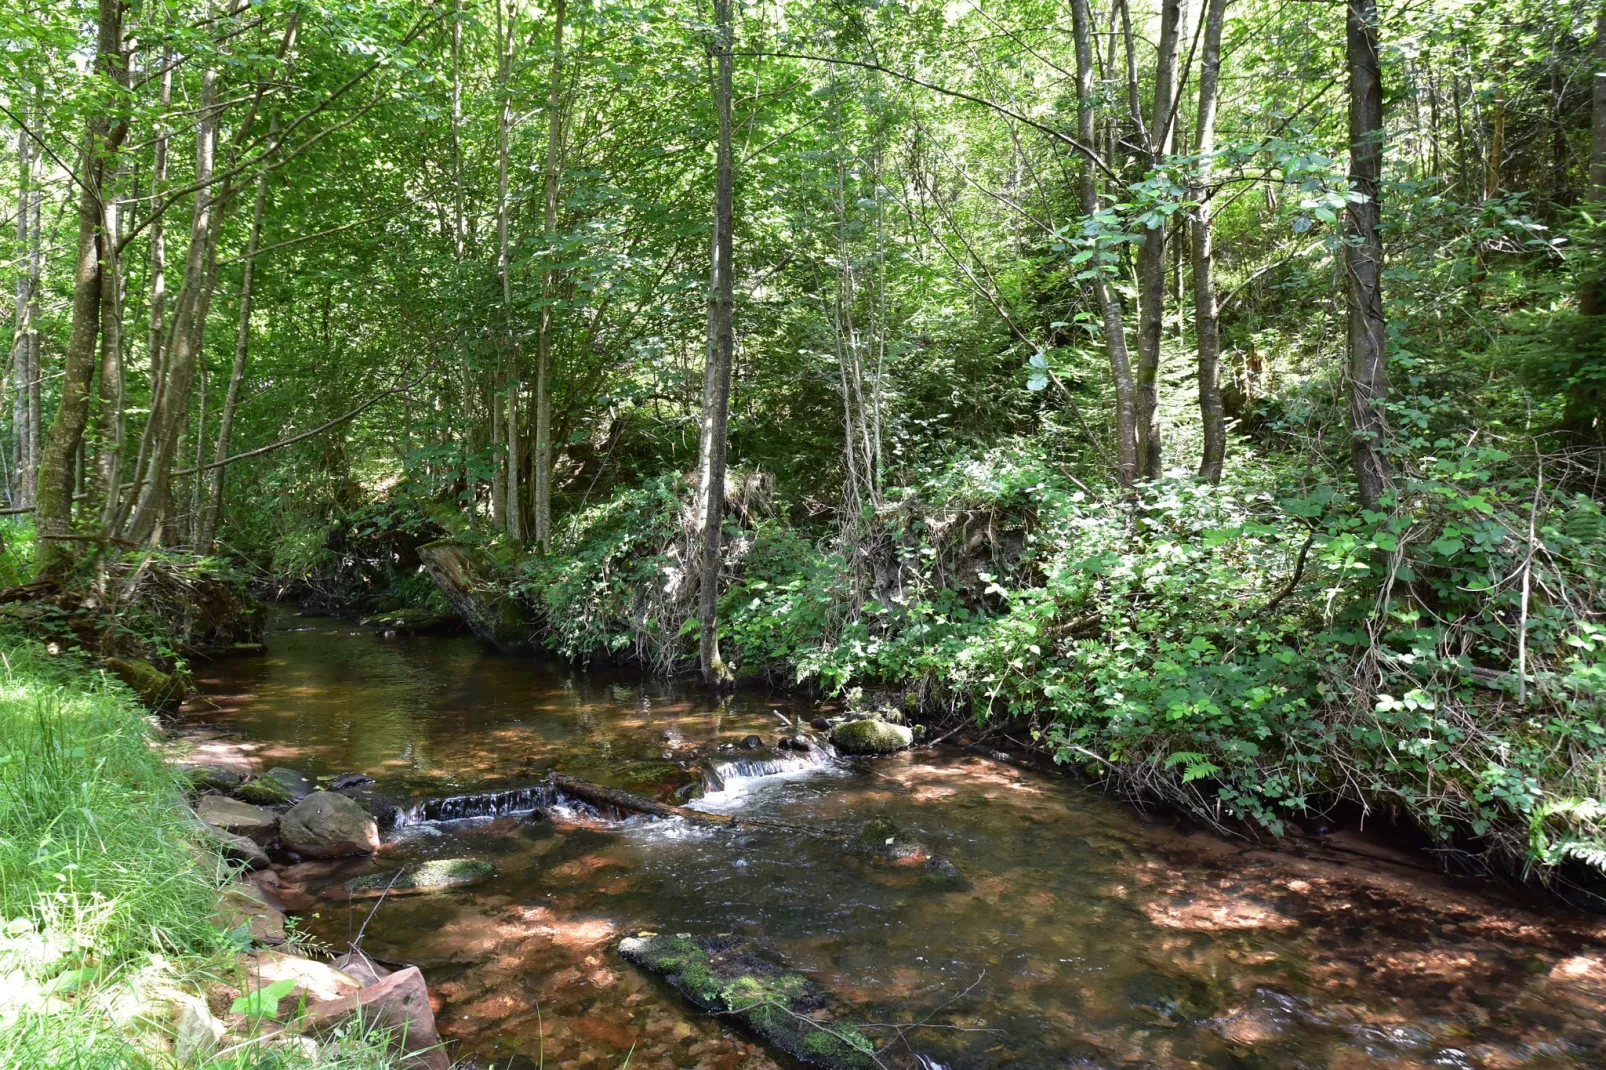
624,802
463,576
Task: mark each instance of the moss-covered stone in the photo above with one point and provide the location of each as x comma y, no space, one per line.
263,792
870,736
158,690
437,875
212,778
724,976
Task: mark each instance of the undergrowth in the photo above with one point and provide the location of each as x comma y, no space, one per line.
105,895
1255,652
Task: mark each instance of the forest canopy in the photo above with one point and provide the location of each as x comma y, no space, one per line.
1210,388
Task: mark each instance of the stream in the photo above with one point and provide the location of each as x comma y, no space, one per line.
1079,933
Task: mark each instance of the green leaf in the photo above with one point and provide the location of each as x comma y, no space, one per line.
264,1002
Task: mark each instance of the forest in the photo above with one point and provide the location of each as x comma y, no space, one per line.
1204,397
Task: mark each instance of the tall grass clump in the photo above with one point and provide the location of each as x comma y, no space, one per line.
102,892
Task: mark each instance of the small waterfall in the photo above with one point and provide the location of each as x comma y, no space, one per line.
482,804
731,776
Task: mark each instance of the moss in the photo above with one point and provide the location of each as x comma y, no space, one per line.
436,875
870,737
721,975
158,690
263,792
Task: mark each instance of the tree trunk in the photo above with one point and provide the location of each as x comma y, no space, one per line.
170,409
63,443
1363,256
242,339
1126,452
721,347
21,484
1592,294
1151,253
1206,317
109,426
549,293
513,499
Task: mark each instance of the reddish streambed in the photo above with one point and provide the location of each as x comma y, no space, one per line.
1082,935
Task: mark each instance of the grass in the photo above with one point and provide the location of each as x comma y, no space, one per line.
104,892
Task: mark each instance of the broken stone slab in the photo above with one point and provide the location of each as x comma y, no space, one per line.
239,818
312,981
437,875
725,976
197,1032
870,737
241,908
326,825
398,1005
363,967
237,848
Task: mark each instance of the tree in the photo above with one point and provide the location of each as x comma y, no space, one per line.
58,454
549,289
1206,314
1151,253
721,347
1363,256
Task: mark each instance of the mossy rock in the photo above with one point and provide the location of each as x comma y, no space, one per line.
212,778
724,976
870,736
881,838
437,875
158,690
263,792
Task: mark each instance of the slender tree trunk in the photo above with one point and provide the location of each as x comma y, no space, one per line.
549,292
721,347
1363,256
1126,450
1592,295
64,442
1151,253
170,410
1206,318
242,340
513,500
22,339
109,426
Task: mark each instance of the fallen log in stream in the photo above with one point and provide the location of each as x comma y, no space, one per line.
624,802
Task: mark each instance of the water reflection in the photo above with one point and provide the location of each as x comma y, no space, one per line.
1073,934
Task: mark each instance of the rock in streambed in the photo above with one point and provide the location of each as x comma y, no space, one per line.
870,736
326,825
438,875
726,976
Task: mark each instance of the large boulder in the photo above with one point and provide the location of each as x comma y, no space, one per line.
399,1005
239,818
870,736
326,825
437,875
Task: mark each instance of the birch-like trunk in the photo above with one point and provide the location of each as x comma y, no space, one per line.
1126,453
1151,253
721,347
1206,314
213,509
513,500
549,291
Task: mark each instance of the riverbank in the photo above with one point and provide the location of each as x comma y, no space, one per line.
117,948
1265,656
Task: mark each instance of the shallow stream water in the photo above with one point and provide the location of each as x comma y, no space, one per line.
1080,935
